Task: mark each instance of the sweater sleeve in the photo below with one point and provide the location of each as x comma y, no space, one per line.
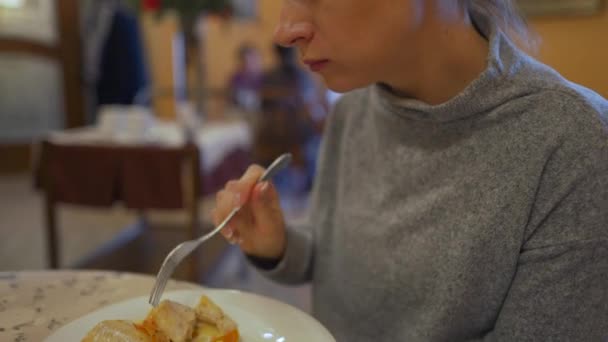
296,265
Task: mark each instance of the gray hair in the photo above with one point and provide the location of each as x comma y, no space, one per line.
507,16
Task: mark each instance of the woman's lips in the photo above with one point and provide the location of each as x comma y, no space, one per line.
316,64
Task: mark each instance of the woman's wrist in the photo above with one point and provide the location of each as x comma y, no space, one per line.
266,264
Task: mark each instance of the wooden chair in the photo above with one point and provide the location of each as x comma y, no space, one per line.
140,177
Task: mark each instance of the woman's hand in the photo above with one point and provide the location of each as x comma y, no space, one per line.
259,227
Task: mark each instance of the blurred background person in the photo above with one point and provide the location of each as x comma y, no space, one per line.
291,119
246,81
115,70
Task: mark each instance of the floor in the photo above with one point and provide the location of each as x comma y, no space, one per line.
118,239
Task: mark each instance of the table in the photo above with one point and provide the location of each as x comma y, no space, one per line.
223,151
33,304
161,172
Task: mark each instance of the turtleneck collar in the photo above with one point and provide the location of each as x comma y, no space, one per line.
480,96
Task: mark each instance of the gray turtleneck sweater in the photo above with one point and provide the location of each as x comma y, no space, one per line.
483,218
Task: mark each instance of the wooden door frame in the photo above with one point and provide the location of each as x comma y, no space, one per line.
68,53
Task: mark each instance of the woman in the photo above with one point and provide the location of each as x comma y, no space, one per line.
462,192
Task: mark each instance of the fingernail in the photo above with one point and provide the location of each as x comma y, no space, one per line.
240,240
237,200
264,190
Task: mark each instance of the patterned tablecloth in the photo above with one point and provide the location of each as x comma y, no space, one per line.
34,304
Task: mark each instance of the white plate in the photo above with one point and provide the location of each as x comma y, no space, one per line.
258,318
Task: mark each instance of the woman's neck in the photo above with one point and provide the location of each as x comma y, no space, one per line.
451,56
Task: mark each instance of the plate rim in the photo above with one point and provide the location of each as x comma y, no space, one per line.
195,292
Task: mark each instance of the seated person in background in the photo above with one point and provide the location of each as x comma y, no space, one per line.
115,70
291,118
246,81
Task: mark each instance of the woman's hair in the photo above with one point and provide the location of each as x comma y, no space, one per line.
506,15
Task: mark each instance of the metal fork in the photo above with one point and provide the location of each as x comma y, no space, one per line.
185,248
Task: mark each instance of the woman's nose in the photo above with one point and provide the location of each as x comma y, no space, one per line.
295,27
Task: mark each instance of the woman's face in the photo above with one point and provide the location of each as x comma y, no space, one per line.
353,43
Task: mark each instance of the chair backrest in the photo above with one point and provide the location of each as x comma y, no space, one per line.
142,177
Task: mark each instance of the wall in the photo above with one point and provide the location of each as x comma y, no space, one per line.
159,36
577,47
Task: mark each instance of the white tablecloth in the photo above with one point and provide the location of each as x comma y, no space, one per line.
34,304
215,139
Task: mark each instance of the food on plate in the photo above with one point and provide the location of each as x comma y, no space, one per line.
117,331
171,322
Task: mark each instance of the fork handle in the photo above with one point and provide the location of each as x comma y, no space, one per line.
185,248
279,164
276,166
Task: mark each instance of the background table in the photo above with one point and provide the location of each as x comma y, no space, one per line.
86,167
34,304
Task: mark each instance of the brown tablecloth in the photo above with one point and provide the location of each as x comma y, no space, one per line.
34,304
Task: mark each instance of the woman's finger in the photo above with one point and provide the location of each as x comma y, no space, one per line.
244,186
223,206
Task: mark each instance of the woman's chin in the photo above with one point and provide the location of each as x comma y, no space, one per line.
343,85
